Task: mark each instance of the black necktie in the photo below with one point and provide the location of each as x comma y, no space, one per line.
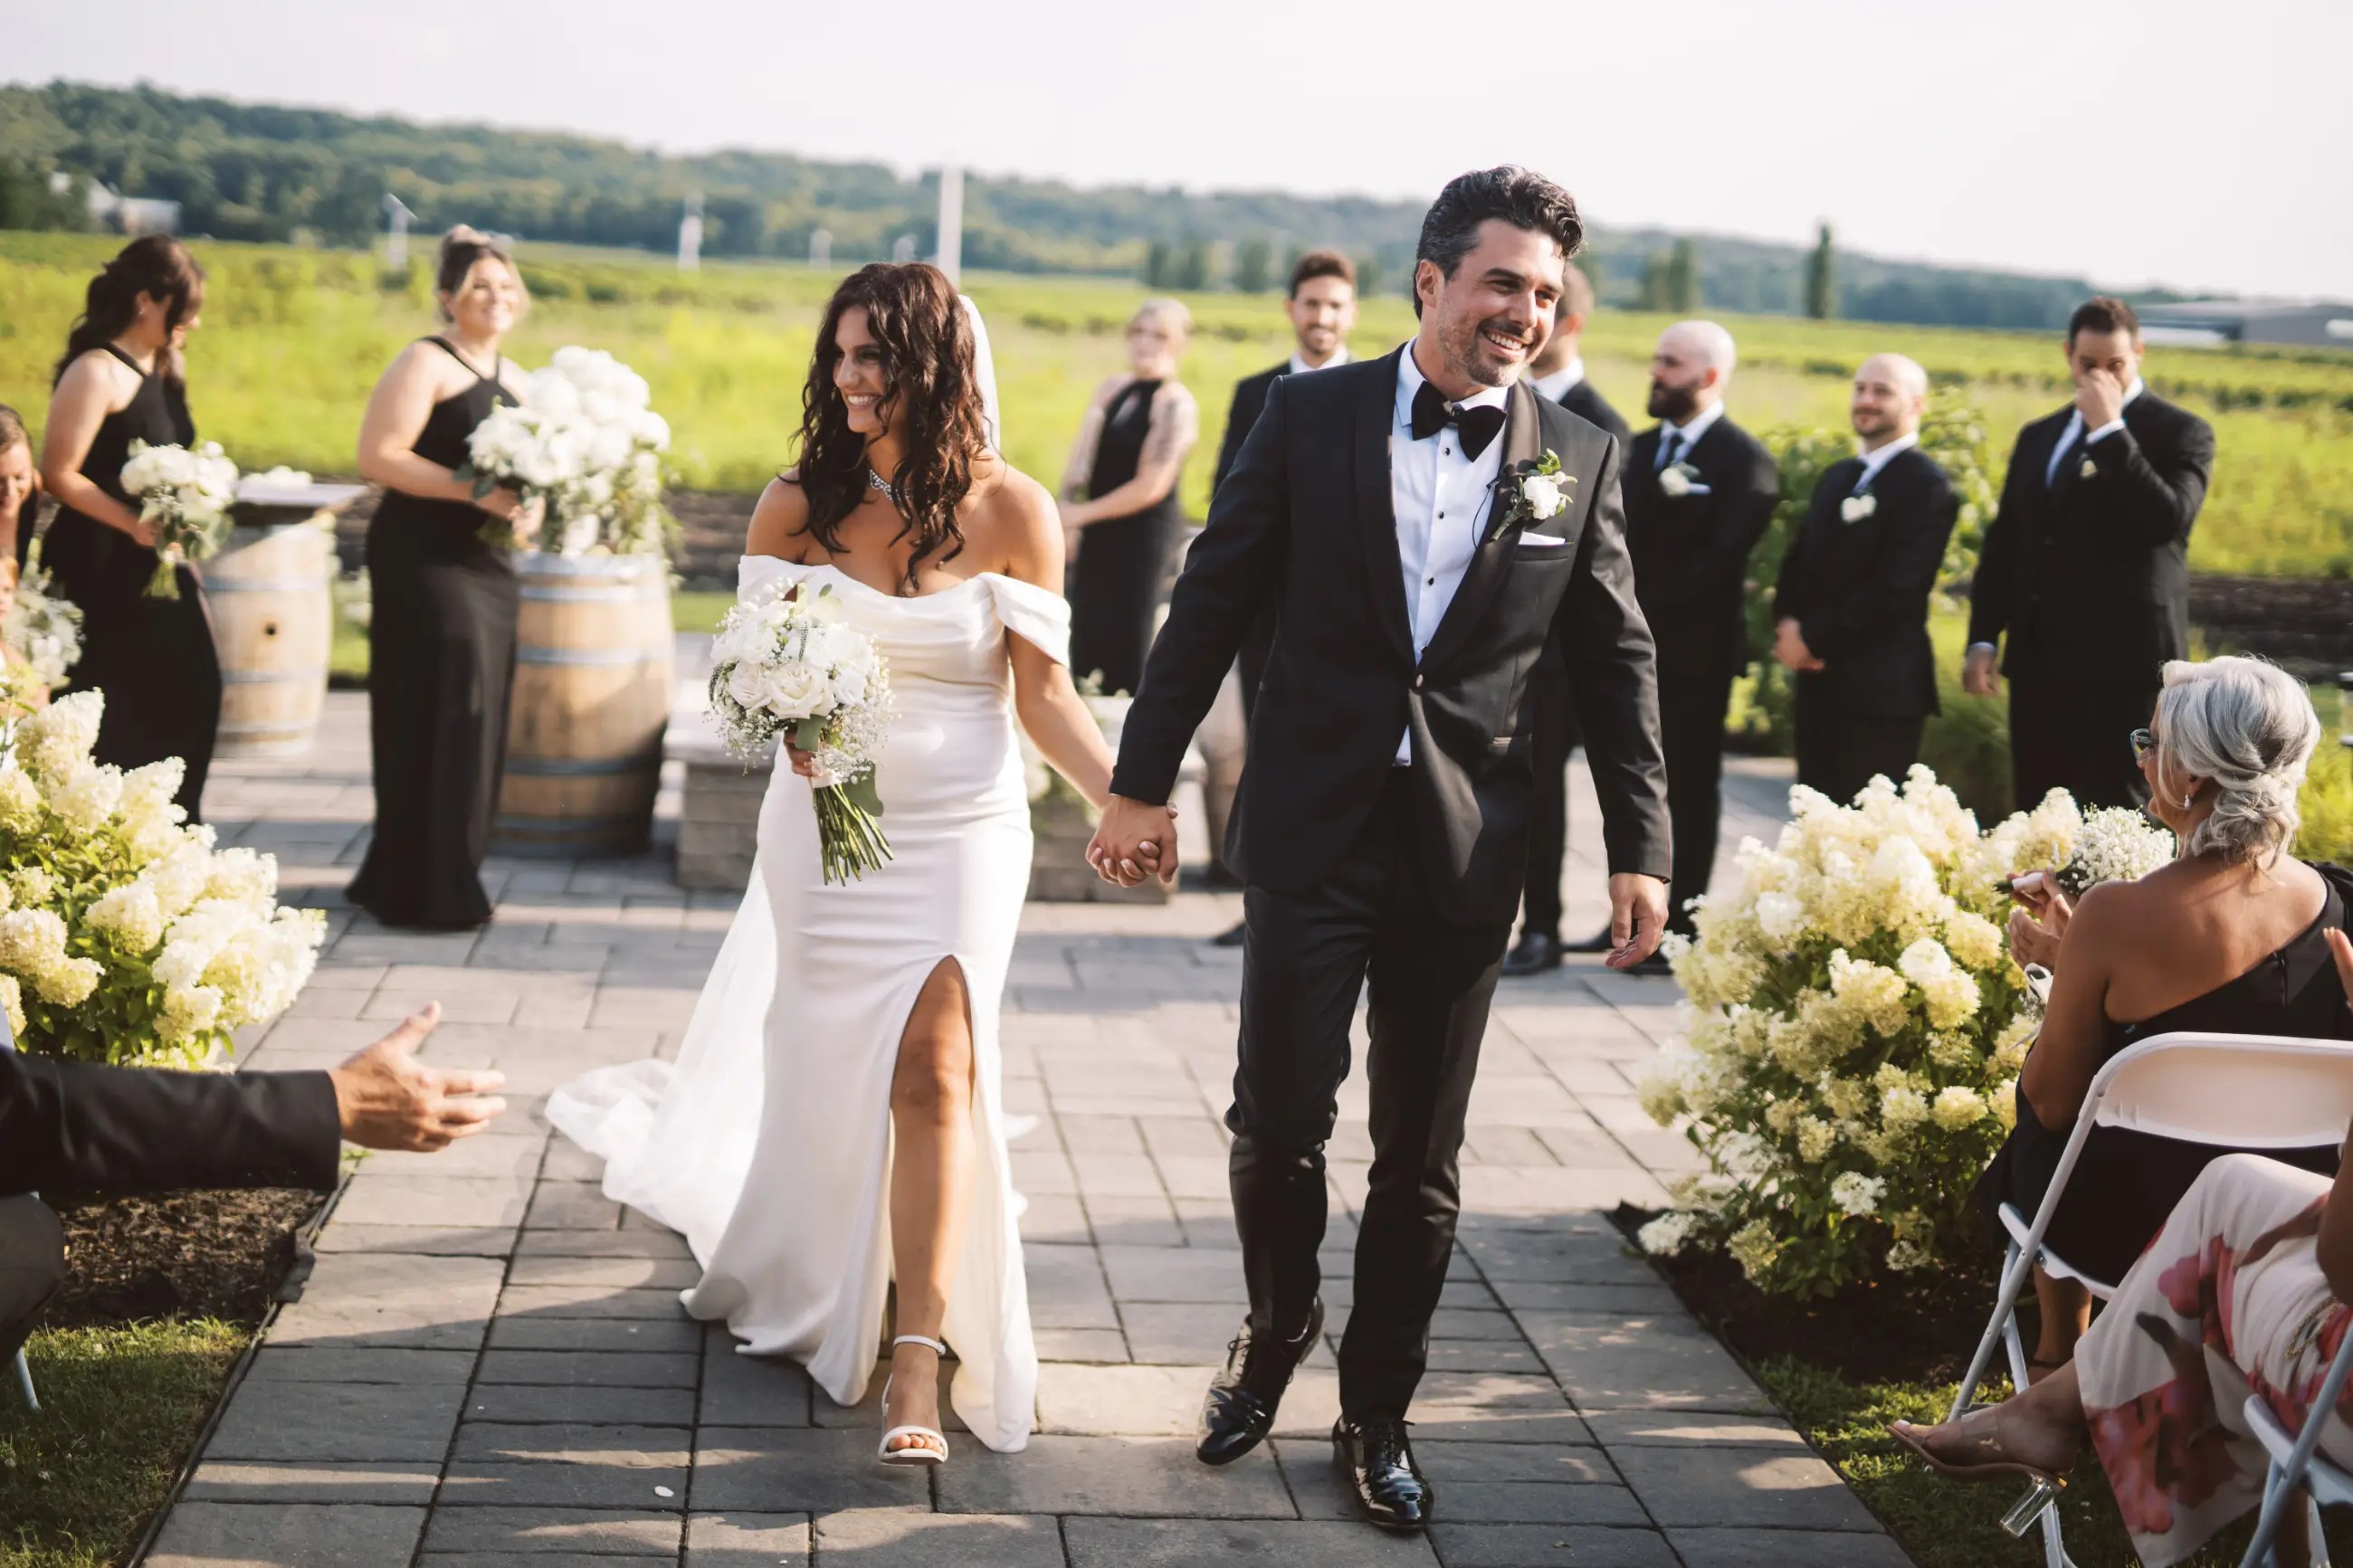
1671,447
1431,413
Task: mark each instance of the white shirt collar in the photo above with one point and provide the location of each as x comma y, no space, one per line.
1874,461
1700,423
1551,387
1409,379
1301,367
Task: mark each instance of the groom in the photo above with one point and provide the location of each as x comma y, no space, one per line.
1384,510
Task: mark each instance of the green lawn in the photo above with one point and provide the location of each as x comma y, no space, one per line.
121,1408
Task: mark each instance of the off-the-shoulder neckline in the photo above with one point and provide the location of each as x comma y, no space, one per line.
897,598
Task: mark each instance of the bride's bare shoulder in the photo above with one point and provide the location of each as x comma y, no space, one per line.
1014,526
780,521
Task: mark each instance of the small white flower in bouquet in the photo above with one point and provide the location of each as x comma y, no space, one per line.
2117,844
187,495
587,445
789,666
43,629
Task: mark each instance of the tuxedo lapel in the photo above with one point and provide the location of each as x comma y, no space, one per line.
1522,441
1377,513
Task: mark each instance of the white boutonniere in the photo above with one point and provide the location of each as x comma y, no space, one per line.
1678,481
1854,508
2089,470
1537,491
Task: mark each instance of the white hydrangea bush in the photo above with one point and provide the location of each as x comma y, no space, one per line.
126,936
1852,1035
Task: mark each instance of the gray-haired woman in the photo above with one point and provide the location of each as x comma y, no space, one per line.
2228,939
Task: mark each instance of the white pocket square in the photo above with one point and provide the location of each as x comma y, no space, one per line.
1550,540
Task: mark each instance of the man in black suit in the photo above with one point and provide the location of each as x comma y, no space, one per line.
98,1129
1394,510
1557,372
1853,602
1699,493
2086,568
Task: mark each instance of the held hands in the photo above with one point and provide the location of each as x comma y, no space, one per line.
2099,398
1789,646
386,1098
1978,676
1133,841
1638,917
2040,922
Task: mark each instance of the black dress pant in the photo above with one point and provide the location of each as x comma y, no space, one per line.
1691,732
1839,751
1552,735
32,1269
1306,959
2076,735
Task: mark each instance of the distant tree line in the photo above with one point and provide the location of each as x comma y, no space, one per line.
258,172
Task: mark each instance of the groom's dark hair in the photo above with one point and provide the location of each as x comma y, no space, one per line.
1521,198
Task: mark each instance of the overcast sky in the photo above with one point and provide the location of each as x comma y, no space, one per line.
2201,145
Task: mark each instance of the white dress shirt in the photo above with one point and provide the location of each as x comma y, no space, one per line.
1874,461
1687,437
1440,496
1301,367
1550,387
2074,427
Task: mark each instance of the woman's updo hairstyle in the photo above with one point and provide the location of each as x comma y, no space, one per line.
461,248
1169,310
155,266
2247,727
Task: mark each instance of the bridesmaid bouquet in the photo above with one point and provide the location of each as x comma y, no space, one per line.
41,630
587,445
790,667
187,495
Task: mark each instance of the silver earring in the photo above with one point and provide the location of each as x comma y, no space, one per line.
2186,796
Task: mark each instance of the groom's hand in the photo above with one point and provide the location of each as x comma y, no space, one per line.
1638,917
1134,840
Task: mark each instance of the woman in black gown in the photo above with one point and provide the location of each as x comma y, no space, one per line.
441,634
1120,503
120,382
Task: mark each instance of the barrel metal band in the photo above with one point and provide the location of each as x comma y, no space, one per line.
646,596
316,673
599,656
581,767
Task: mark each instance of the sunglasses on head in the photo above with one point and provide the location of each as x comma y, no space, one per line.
2143,742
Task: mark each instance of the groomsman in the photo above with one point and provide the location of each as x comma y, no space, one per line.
1852,601
1558,373
1699,491
2086,568
1321,306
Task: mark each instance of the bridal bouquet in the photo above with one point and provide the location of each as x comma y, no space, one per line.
586,446
790,666
125,936
42,630
187,495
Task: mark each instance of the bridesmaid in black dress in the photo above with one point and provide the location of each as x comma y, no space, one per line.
1120,505
120,382
441,635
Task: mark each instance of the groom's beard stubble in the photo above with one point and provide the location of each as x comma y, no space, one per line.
1474,358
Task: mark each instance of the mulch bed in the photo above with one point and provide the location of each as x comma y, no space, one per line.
205,1254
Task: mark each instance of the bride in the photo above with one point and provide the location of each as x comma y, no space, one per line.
835,1119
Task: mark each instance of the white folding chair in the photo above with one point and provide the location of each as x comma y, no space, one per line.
2238,1091
2295,1461
21,1369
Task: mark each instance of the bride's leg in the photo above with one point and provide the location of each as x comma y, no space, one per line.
931,1183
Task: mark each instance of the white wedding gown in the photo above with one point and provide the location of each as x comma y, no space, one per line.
768,1143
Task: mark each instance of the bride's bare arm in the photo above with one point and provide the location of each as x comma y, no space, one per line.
779,521
1045,700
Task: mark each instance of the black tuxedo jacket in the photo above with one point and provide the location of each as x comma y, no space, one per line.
1249,402
1691,552
1305,521
118,1129
2088,574
1583,401
1859,590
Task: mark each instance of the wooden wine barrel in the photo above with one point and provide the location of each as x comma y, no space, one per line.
271,590
591,700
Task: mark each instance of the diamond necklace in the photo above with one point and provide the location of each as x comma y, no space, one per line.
875,482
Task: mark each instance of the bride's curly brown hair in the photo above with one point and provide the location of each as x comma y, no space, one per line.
913,315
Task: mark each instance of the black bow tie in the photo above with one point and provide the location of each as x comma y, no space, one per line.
1431,413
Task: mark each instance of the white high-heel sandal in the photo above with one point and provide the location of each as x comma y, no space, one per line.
913,1453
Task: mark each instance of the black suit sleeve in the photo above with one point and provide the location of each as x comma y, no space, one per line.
121,1129
1233,571
2160,485
1238,419
1894,591
1789,588
1998,557
1613,673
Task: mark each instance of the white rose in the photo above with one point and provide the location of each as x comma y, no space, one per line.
748,684
796,690
1542,492
1673,483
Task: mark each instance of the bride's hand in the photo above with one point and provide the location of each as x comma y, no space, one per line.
804,762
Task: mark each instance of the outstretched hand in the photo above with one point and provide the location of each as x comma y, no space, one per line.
386,1098
1638,917
1135,839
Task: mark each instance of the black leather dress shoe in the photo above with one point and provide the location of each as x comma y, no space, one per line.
1532,954
1233,936
1597,942
1377,1459
1654,967
1239,1410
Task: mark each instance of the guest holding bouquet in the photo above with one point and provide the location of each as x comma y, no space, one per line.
121,381
442,638
1119,499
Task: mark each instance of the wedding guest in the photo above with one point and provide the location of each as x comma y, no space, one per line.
2228,939
2085,567
122,380
1557,372
20,487
1119,499
1699,491
442,638
96,1129
1853,600
1321,308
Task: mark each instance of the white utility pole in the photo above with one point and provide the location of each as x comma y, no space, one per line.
689,236
395,245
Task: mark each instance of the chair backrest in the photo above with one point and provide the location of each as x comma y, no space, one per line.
2249,1091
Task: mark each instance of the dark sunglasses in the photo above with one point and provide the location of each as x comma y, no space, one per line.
2143,742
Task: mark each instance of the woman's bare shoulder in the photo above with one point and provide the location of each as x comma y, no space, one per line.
780,521
1013,521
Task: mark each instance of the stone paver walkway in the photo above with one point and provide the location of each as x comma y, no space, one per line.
489,1365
